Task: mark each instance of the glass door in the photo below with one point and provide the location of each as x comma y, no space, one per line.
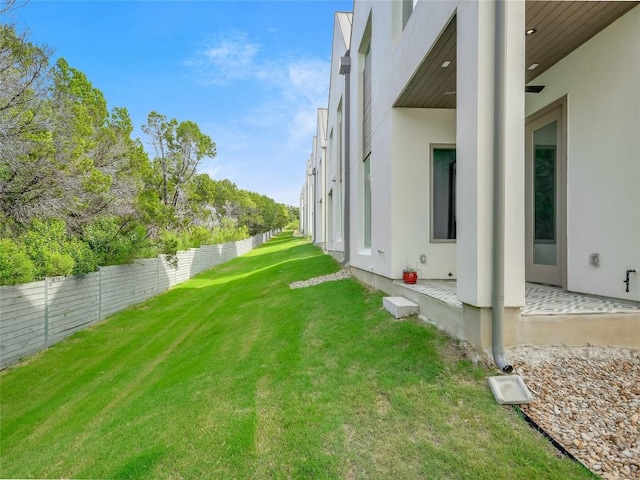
546,198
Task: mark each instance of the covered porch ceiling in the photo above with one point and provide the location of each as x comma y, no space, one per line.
560,28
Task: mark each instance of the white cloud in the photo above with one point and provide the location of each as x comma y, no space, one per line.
265,148
227,58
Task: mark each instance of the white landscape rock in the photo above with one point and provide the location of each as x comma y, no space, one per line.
332,277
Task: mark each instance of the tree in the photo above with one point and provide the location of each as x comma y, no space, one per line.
190,147
23,115
93,151
179,149
75,189
6,5
160,133
62,154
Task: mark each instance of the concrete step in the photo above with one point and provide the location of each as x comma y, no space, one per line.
400,307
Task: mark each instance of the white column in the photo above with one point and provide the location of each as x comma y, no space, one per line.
474,142
514,261
475,152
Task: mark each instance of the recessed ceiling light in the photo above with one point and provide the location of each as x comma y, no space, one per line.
530,31
533,66
446,64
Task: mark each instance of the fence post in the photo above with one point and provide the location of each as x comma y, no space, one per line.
46,311
133,302
99,294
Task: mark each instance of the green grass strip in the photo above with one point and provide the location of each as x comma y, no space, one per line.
234,375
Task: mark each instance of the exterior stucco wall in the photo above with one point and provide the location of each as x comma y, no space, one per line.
400,143
371,16
335,142
602,82
414,131
309,222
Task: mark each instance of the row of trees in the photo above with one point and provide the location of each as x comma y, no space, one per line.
77,191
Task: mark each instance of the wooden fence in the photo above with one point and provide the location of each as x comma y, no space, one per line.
36,315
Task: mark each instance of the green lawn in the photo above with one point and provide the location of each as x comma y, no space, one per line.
234,375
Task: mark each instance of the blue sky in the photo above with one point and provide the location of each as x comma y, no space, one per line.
251,74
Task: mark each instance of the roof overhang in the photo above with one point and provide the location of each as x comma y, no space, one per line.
560,28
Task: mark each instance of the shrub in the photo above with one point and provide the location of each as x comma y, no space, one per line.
200,235
85,259
56,263
15,264
47,244
228,231
112,241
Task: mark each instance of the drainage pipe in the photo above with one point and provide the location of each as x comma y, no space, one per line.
499,146
346,234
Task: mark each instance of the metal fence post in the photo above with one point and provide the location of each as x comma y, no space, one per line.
99,294
46,311
133,302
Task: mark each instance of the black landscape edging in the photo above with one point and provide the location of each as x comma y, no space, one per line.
553,441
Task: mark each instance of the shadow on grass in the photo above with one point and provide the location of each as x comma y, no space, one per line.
277,243
282,237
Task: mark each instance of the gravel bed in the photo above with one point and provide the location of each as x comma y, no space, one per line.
344,273
588,400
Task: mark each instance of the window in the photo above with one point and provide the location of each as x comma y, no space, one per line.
330,220
367,202
339,173
366,104
443,193
407,10
366,149
364,171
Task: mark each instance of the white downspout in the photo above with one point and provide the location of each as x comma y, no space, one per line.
499,145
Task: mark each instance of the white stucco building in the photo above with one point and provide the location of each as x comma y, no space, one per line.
337,166
457,172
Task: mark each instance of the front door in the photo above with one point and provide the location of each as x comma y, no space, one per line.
545,171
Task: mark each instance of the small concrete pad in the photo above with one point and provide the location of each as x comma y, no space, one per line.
400,307
510,389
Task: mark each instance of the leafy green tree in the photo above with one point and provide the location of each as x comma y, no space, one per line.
179,149
77,191
62,154
98,161
24,82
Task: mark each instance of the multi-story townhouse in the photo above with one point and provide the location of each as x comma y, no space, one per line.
493,146
337,170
